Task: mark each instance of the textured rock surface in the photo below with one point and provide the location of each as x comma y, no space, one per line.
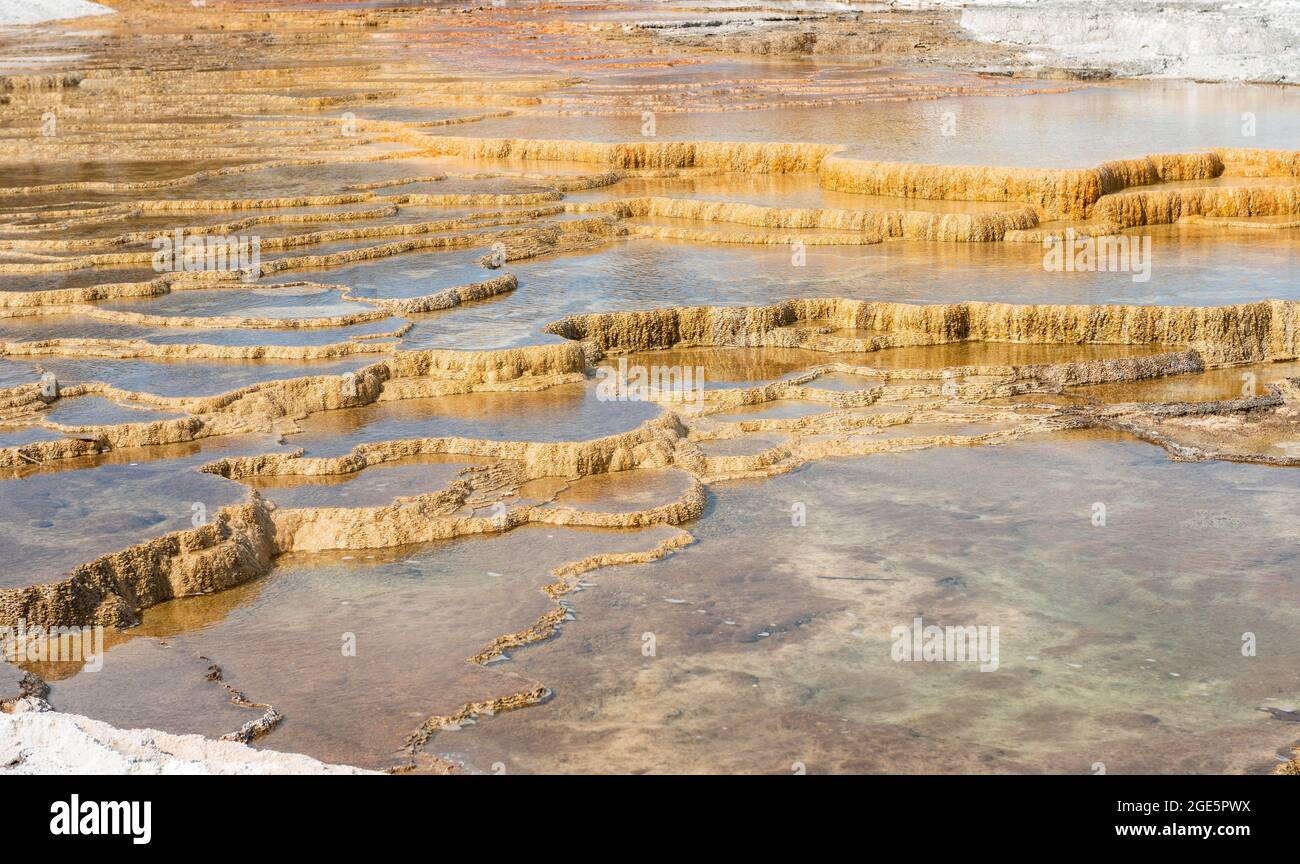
1246,40
49,742
36,11
325,188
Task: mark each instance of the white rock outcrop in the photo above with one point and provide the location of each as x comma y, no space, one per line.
1241,40
35,740
36,11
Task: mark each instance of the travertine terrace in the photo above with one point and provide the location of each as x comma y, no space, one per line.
405,229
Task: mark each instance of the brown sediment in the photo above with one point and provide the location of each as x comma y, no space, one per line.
872,225
242,541
1292,766
1166,206
254,728
233,548
474,710
1256,162
748,157
150,185
422,519
864,36
1266,330
154,207
566,580
206,322
254,408
1227,222
1201,431
546,626
76,302
751,237
475,221
31,687
1217,335
443,299
1159,168
649,445
1058,193
140,349
146,236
